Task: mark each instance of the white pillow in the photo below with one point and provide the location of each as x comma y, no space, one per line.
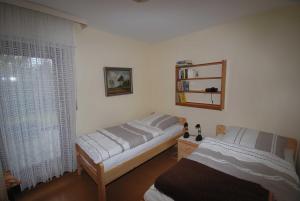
252,138
149,119
231,134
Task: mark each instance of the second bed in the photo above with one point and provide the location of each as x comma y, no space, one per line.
105,166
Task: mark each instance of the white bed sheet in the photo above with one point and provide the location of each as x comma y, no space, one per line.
153,194
131,153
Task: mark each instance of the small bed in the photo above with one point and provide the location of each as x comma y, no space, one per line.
231,158
104,169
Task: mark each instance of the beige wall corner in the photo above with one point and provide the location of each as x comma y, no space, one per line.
95,50
262,72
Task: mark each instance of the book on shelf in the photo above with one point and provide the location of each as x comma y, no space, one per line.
179,86
183,73
183,63
186,73
186,85
186,61
183,85
181,97
191,73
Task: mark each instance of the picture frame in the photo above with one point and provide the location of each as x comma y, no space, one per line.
118,81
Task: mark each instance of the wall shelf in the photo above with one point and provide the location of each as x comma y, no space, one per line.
199,65
200,105
208,75
199,91
200,78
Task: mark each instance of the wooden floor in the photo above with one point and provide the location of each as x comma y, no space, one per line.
130,187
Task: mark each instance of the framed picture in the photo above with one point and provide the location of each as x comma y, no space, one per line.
118,81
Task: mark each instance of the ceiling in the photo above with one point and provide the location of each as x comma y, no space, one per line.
158,20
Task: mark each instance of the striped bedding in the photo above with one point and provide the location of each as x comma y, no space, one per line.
270,171
260,140
160,121
106,143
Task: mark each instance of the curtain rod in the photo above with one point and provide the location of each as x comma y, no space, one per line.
47,10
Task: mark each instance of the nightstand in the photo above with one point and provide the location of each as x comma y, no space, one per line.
186,146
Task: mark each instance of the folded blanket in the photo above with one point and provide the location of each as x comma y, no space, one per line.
239,167
106,143
193,181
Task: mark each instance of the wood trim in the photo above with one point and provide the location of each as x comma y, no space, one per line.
47,10
176,87
199,65
185,148
270,197
106,71
220,130
101,184
86,163
200,105
97,173
293,145
195,145
199,91
223,84
201,78
182,120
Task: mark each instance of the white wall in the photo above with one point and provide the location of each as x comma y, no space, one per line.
95,50
263,75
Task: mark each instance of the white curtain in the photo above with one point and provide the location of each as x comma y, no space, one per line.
37,96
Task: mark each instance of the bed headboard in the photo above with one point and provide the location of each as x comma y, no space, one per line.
292,143
182,120
220,130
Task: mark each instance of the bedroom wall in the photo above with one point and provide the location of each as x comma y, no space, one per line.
94,50
262,89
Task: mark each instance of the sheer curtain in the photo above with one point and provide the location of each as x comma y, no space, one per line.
37,96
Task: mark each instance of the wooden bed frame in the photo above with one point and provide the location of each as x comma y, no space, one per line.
292,144
96,171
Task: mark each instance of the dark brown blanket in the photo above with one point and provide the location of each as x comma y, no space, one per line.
192,181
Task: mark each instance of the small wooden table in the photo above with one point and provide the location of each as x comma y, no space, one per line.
186,146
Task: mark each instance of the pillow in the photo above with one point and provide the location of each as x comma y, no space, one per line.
149,119
259,140
160,121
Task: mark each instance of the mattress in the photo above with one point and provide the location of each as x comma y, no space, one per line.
132,153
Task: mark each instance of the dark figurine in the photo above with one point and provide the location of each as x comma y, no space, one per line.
186,135
186,126
199,136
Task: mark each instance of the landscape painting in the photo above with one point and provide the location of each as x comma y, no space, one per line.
118,81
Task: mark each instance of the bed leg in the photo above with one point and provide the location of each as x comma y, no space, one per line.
270,196
101,184
79,168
